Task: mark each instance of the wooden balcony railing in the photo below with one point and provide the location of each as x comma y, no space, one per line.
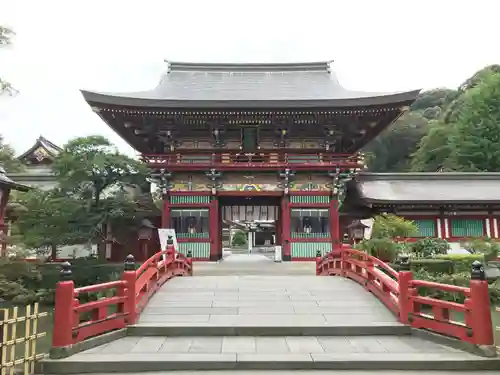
238,160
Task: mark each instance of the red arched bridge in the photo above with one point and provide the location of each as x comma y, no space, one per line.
154,320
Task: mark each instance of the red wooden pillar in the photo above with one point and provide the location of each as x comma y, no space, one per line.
335,223
165,212
214,230
285,228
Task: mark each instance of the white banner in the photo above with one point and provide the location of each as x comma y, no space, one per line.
369,229
163,233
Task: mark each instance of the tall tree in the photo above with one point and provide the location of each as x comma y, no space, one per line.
431,102
433,149
92,169
6,35
474,143
51,219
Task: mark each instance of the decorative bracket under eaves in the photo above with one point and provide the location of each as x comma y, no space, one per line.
286,179
339,183
214,177
163,179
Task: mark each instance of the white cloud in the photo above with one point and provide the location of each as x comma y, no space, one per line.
63,46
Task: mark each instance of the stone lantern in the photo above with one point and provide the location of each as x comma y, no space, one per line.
6,186
357,231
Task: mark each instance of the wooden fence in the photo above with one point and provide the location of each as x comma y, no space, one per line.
18,340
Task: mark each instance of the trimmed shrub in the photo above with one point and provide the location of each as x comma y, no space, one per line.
384,249
239,238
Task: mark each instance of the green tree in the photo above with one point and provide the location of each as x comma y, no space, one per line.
51,219
474,142
392,226
6,35
391,151
92,170
89,166
239,238
431,102
433,149
8,158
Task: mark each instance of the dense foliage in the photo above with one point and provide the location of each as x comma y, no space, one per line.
429,256
450,130
98,186
239,238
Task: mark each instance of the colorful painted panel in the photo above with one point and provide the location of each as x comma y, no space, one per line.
250,187
426,227
198,249
190,199
467,227
309,249
309,186
309,199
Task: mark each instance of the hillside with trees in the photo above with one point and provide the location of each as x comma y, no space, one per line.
445,129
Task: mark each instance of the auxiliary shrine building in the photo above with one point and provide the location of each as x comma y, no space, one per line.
275,149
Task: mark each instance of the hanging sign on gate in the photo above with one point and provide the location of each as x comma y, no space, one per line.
163,234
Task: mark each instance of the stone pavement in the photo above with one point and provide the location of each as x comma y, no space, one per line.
240,353
319,304
254,314
309,372
253,264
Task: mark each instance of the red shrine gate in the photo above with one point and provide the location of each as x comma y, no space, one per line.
289,132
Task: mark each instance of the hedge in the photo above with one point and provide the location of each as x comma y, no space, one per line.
25,282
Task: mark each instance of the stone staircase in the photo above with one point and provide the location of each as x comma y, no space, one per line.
268,324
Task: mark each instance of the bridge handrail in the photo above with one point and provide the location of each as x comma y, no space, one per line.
128,297
400,293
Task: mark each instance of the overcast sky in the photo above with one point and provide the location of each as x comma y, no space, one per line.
119,45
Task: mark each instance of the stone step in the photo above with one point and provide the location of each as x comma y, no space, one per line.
141,354
300,372
272,329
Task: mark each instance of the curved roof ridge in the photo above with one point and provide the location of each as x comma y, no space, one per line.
319,66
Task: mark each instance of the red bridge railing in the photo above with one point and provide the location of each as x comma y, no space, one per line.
121,300
400,293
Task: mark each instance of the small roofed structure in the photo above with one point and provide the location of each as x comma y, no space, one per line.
42,152
431,188
454,205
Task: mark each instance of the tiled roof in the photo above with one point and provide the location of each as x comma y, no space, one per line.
250,86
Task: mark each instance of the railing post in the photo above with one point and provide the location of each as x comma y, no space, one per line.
405,278
482,328
170,247
318,262
63,310
189,257
130,278
344,255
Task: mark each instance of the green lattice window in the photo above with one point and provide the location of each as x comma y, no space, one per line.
188,199
309,223
426,227
467,227
190,223
309,199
